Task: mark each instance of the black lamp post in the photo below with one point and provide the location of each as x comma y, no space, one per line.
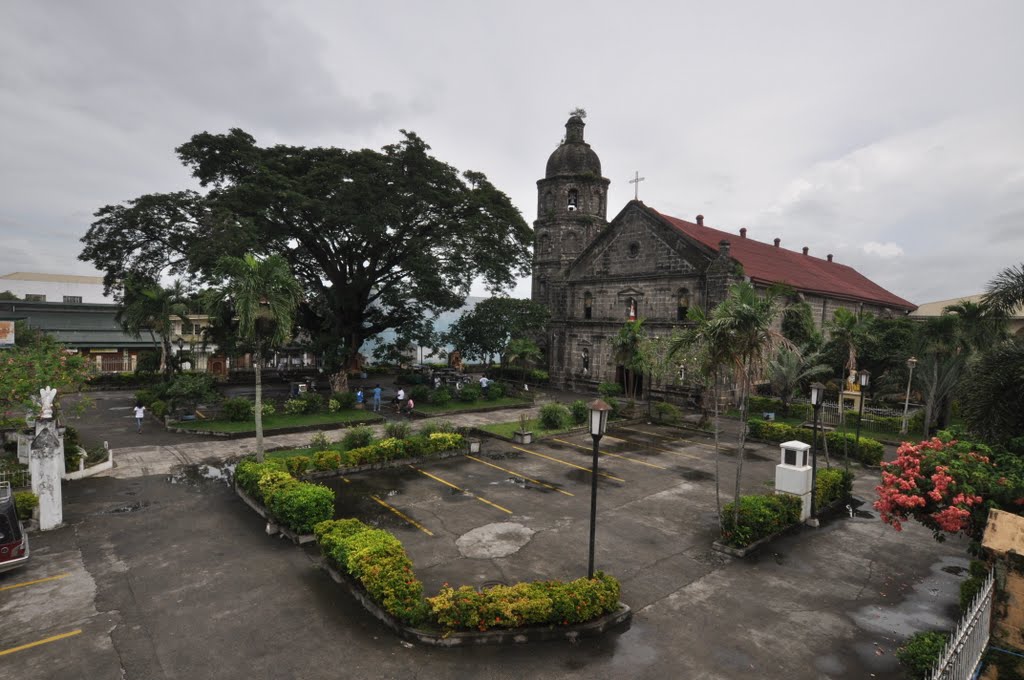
911,363
598,421
817,397
864,378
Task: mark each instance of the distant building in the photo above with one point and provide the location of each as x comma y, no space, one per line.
1015,322
595,275
66,288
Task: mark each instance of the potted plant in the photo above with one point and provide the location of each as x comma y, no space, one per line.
523,436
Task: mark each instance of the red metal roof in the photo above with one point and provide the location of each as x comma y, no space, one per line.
765,263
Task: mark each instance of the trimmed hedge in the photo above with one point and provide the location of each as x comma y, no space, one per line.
378,560
297,505
760,516
555,416
869,452
392,448
24,503
832,484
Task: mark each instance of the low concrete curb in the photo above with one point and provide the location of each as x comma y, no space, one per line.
830,509
620,621
248,434
272,526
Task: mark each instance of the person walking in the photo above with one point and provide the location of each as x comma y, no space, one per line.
140,413
376,398
359,398
400,399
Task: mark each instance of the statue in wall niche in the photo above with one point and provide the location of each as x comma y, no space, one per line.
851,382
46,396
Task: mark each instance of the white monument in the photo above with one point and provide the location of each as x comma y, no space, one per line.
793,475
46,464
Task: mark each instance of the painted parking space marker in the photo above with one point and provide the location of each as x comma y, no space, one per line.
522,476
30,645
408,519
565,462
689,442
460,489
608,453
32,583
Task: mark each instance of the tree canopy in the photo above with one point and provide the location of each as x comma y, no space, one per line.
487,329
378,239
36,361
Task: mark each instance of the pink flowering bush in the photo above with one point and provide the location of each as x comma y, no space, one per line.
949,486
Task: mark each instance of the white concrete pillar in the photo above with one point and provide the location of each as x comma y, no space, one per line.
46,464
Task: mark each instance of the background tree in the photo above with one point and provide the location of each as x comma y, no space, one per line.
522,351
791,372
1005,292
486,330
262,295
798,326
626,348
7,295
376,239
991,397
745,321
848,331
35,361
148,306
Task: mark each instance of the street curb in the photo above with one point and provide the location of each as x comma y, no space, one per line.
249,434
619,621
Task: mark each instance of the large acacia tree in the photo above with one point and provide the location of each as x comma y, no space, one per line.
378,239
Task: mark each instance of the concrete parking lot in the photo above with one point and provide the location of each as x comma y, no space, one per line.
171,576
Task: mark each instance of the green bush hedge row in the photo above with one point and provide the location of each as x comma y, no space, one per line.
391,448
760,516
869,452
297,505
378,561
832,484
24,503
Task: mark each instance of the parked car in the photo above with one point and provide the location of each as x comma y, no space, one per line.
13,539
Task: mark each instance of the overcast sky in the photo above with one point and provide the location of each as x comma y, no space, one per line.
890,134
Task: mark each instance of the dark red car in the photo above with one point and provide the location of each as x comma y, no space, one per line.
13,539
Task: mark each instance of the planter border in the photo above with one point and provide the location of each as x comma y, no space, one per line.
247,434
620,620
487,409
381,465
273,527
751,548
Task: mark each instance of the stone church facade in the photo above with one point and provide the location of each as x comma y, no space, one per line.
594,275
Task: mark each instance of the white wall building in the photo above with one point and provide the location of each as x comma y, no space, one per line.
67,288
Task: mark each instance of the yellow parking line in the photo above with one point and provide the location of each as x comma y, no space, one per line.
512,472
460,490
408,519
616,455
563,462
689,442
32,583
54,638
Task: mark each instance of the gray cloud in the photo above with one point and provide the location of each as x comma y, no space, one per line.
828,126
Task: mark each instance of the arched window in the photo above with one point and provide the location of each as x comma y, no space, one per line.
544,244
588,304
682,304
574,199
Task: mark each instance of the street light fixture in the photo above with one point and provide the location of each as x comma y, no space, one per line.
598,421
864,378
817,398
911,363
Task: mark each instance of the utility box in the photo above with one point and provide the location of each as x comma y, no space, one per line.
793,474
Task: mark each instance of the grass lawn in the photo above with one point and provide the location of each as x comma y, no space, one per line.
851,428
506,429
288,453
279,421
455,406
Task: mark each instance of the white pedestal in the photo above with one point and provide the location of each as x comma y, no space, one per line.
795,480
46,464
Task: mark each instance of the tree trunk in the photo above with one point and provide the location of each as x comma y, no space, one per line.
258,408
929,404
718,457
741,443
339,381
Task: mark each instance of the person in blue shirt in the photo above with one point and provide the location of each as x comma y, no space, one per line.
359,398
376,398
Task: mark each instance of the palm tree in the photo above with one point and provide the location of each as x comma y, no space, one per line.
263,295
941,363
704,349
746,319
791,370
146,305
626,347
1006,291
848,330
523,351
980,325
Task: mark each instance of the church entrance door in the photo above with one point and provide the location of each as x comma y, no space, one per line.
632,382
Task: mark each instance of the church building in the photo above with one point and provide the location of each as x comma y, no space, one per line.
594,275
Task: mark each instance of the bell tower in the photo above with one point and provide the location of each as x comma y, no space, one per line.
572,208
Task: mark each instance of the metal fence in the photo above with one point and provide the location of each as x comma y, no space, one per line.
962,653
19,479
876,418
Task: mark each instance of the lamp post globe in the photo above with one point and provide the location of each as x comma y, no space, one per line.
864,379
911,363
